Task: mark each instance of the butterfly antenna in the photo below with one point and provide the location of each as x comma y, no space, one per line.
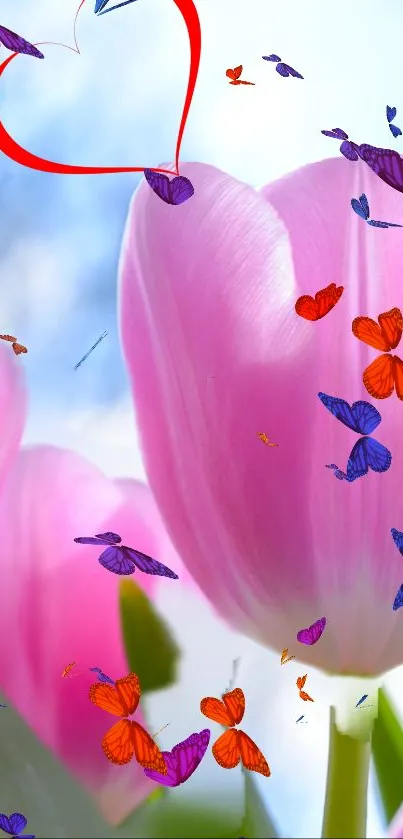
235,668
161,729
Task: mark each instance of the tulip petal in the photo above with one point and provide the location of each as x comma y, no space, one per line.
13,406
208,290
62,606
396,827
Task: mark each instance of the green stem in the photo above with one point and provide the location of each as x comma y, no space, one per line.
345,812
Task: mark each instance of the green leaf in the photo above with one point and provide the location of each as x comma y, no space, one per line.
387,751
257,821
151,651
191,820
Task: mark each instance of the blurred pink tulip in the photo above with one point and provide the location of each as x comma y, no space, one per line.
13,405
216,354
396,826
62,606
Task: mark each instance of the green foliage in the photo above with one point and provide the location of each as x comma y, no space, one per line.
152,652
387,751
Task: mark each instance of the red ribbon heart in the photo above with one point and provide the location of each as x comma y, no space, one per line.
32,161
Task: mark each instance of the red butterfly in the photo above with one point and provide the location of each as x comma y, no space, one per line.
325,300
126,738
235,74
384,374
234,745
18,348
300,684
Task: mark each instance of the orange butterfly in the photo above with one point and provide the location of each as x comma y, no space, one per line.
284,658
386,372
235,74
300,684
325,300
66,672
18,348
126,738
233,745
264,438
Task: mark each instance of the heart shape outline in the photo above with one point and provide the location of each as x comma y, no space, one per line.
20,155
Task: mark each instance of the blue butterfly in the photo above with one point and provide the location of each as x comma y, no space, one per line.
397,536
367,453
282,68
100,5
102,677
363,698
390,115
361,207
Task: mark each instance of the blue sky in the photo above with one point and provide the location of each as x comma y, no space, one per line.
119,103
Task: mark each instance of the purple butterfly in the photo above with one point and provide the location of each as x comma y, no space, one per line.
14,824
102,677
100,4
15,43
284,69
361,207
123,560
386,163
174,192
390,115
183,760
312,634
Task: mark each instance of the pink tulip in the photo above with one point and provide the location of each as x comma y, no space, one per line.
396,826
62,606
208,290
13,405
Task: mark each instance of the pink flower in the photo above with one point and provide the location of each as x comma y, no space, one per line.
396,826
60,605
208,290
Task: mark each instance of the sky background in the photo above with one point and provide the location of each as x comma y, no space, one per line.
119,103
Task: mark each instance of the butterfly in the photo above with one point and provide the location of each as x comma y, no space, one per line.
235,74
300,718
14,824
67,671
390,115
385,163
300,684
284,658
312,634
234,745
283,69
102,677
183,760
18,348
360,701
123,560
367,452
173,192
100,5
386,372
361,207
264,438
126,738
314,309
397,536
15,43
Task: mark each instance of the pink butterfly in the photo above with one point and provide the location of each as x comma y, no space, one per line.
312,634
